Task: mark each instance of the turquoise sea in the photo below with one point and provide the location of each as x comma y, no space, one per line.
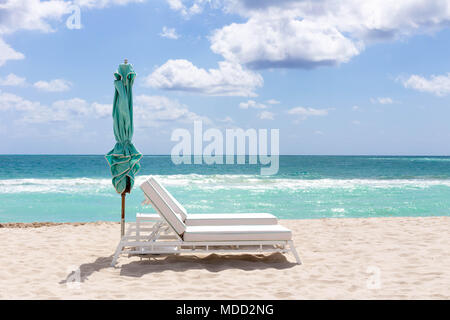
78,188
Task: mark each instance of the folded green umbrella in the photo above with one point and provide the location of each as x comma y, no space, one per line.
124,157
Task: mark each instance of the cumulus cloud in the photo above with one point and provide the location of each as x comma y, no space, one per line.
64,110
153,111
27,15
306,34
31,14
8,53
368,20
266,115
12,80
39,15
187,9
438,85
273,101
227,119
252,104
266,42
169,33
382,100
56,85
102,110
305,112
149,111
104,3
9,101
67,111
294,34
229,79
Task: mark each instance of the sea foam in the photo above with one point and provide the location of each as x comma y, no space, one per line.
253,183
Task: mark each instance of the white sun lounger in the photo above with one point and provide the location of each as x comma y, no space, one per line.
214,219
173,236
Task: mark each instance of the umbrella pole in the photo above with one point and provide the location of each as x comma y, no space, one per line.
122,220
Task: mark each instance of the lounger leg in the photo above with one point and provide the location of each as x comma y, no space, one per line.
294,252
117,253
138,229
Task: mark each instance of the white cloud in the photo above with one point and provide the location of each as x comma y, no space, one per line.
356,122
35,112
438,85
252,104
273,101
26,15
369,19
12,80
266,115
306,34
9,101
267,42
175,4
31,14
356,108
187,10
385,100
307,112
8,53
294,34
229,79
227,119
39,15
68,111
56,85
169,33
149,111
104,3
382,100
102,110
153,111
64,110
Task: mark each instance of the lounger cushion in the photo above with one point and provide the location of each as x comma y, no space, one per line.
171,201
162,207
237,233
229,219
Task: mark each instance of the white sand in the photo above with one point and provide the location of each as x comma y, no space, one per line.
410,254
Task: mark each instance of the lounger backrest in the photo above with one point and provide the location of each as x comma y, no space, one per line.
162,207
173,203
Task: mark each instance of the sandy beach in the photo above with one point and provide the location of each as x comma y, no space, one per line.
367,258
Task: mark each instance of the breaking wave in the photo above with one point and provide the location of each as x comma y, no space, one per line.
254,183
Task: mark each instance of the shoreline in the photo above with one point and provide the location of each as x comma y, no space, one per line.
25,225
343,258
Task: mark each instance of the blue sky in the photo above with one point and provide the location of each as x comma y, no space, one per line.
350,78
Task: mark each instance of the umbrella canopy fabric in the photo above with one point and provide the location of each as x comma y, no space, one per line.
124,157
